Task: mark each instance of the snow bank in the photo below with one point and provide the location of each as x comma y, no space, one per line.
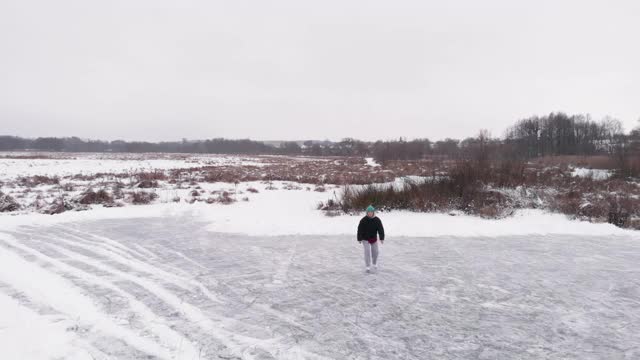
371,162
400,223
287,212
26,335
595,174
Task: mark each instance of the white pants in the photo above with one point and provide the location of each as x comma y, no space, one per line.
370,250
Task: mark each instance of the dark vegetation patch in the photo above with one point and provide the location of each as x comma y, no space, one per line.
101,196
37,180
8,203
140,197
495,190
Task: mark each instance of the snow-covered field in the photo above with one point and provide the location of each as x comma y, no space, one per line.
274,278
89,164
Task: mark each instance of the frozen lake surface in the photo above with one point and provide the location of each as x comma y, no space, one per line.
165,288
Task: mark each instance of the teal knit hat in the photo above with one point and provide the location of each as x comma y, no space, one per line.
370,208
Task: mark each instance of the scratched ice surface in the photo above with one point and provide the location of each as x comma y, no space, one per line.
164,288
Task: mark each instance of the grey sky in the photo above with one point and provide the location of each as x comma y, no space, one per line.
163,70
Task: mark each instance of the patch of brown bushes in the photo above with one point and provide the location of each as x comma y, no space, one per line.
475,188
320,171
614,201
141,197
101,196
8,203
591,162
225,198
36,180
60,205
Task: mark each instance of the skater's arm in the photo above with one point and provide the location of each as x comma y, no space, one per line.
380,230
360,231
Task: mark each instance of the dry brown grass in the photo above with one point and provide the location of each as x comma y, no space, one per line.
469,188
545,182
225,198
37,180
590,162
26,157
147,184
614,201
339,171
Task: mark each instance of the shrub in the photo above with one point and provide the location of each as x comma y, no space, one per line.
150,175
614,201
330,205
91,197
116,190
7,203
113,204
466,188
225,198
147,184
213,176
37,180
292,186
57,206
142,197
332,213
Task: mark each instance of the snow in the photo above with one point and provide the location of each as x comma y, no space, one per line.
19,326
595,174
89,165
371,162
47,288
294,212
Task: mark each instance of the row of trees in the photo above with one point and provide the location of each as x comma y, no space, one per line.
560,134
554,134
381,150
348,147
74,144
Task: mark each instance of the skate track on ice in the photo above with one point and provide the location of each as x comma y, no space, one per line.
164,288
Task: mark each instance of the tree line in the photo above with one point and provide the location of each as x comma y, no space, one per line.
75,144
553,134
561,134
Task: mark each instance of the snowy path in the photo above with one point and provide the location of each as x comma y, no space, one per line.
164,288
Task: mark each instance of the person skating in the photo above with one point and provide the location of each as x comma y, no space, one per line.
369,228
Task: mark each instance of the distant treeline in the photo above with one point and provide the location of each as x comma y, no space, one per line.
75,144
554,134
560,134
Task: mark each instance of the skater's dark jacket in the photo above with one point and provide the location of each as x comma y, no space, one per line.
369,228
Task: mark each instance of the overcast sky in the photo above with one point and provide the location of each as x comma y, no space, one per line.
164,70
